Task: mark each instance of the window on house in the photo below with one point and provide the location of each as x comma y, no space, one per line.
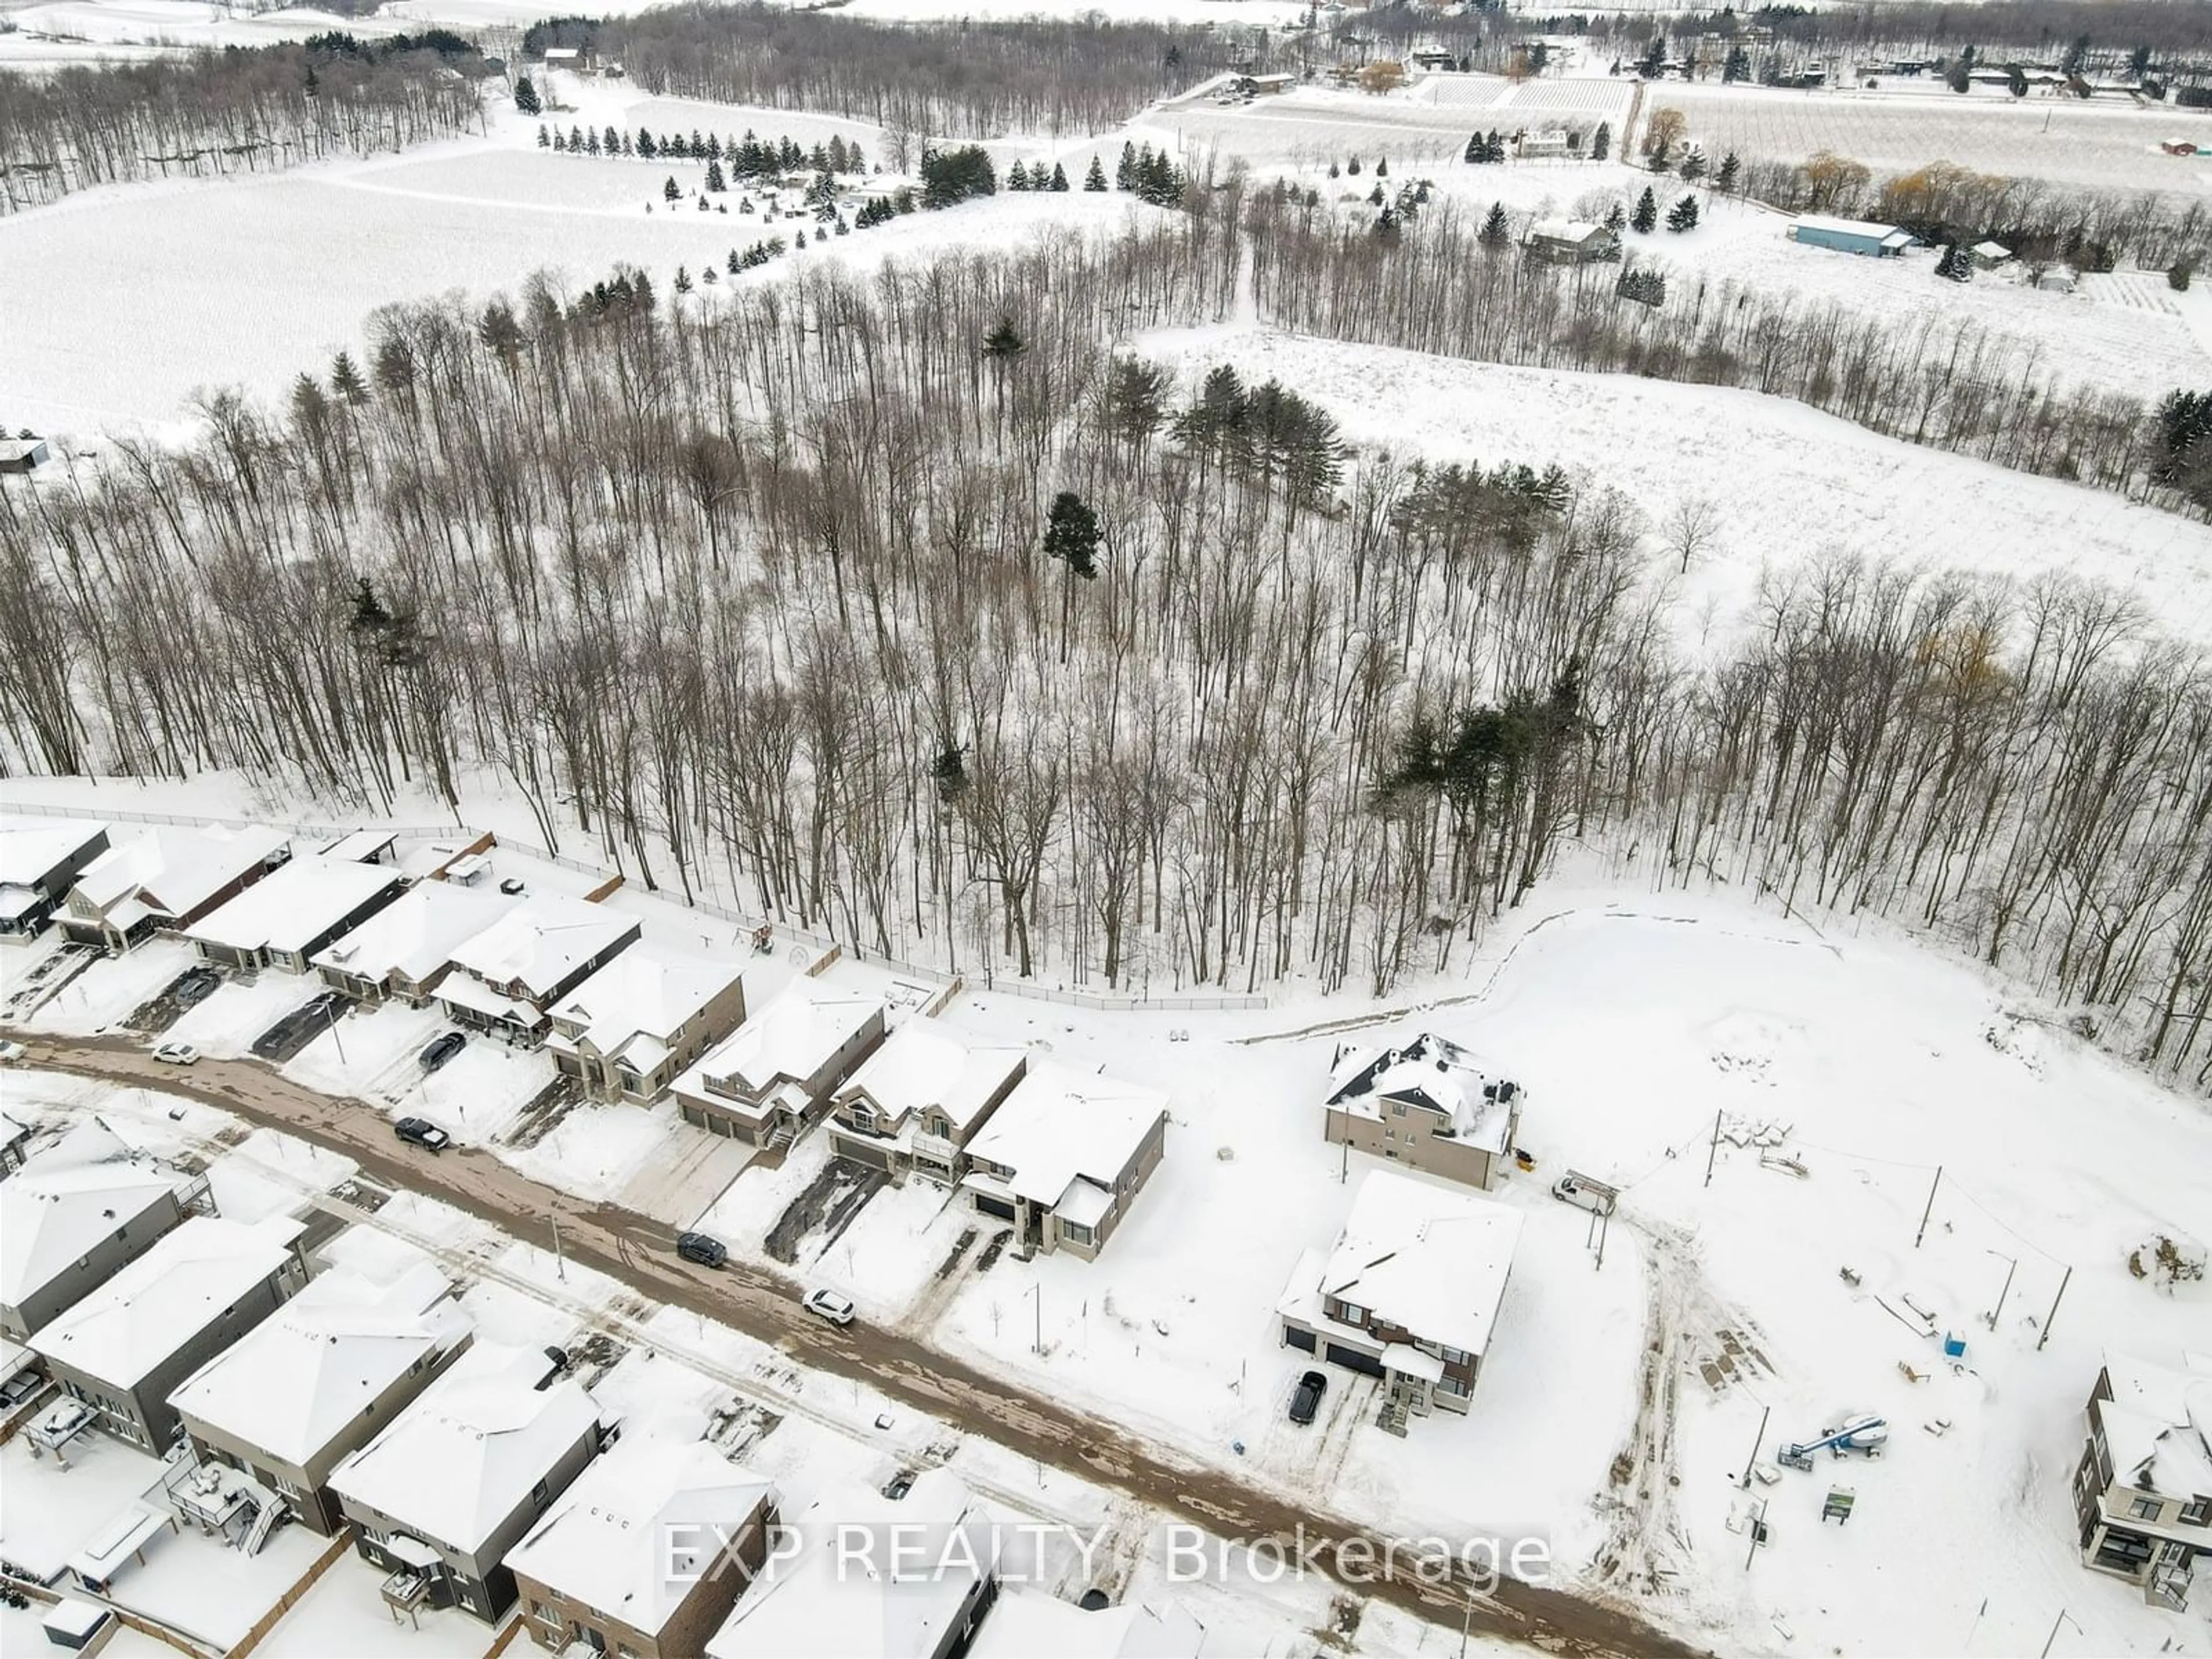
544,1614
1351,1313
537,1494
1397,1109
1449,1384
2146,1509
1076,1233
863,1116
2198,1512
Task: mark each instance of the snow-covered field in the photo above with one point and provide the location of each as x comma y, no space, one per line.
186,24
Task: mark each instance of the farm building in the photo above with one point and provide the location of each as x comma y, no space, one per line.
21,454
1571,242
1988,256
1850,235
2179,147
1551,142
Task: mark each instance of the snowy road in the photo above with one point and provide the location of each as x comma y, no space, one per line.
636,1249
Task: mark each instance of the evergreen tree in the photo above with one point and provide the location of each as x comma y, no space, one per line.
1737,66
591,141
346,384
682,280
671,191
1096,178
525,97
1683,215
1725,178
1601,141
956,175
560,143
1496,145
645,145
1071,535
1616,218
576,140
1004,343
800,241
2016,80
1018,177
1496,233
544,140
1351,166
1645,218
1653,63
1694,166
714,180
1333,170
1476,149
713,148
1956,266
735,267
1382,167
1059,177
1376,196
1658,158
1125,176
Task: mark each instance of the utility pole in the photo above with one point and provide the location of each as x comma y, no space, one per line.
2063,1281
2061,1619
1929,1209
1764,1413
1604,1226
560,1261
1758,1533
2012,1268
1038,1297
331,1017
1713,1152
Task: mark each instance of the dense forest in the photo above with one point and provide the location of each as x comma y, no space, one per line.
920,611
233,111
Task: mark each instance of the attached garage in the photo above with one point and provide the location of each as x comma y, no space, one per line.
1298,1339
1353,1360
993,1207
861,1151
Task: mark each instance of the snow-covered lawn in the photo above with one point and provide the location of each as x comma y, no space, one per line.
343,1614
112,989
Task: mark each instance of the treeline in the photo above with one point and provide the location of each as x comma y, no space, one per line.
980,80
783,592
218,112
1431,282
2117,33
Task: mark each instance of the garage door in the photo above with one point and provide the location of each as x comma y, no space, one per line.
876,1157
998,1208
1353,1360
1298,1339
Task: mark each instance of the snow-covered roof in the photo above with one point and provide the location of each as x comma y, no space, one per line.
638,1530
84,1187
639,1001
1432,1072
416,934
360,845
1564,230
926,1063
1024,1623
1429,1260
1060,1127
543,940
792,1035
882,1607
1867,228
290,909
2158,1424
178,870
290,1384
459,1461
29,851
1993,250
157,1304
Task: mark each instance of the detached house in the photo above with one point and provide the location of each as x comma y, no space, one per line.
506,977
39,864
284,918
1410,1294
317,1379
164,878
1570,241
1426,1105
73,1216
2143,1491
440,1496
918,1100
626,1030
875,1577
405,951
647,1553
1065,1157
769,1079
125,1349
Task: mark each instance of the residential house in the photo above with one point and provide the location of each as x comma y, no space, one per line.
21,454
776,1072
165,878
645,1556
1850,235
442,1494
40,862
124,1349
918,1100
1426,1105
1025,1623
1551,143
1065,1157
71,1218
1410,1293
2143,1491
281,920
405,951
626,1030
317,1379
1572,242
875,1577
505,978
14,1143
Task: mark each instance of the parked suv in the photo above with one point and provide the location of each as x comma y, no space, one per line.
1305,1399
837,1309
699,1248
442,1050
420,1132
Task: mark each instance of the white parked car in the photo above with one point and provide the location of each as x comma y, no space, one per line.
11,1052
177,1054
837,1309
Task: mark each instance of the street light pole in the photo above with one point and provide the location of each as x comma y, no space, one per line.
330,1018
560,1261
2011,1266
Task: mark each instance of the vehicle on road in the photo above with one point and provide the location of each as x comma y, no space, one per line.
1578,1188
698,1246
442,1050
177,1054
1305,1399
195,986
11,1052
420,1132
837,1308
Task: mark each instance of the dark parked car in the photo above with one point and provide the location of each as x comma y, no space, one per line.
197,986
418,1132
699,1248
1307,1400
443,1049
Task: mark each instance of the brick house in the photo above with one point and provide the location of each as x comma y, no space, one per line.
1426,1105
775,1074
1065,1157
626,1031
73,1216
918,1101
